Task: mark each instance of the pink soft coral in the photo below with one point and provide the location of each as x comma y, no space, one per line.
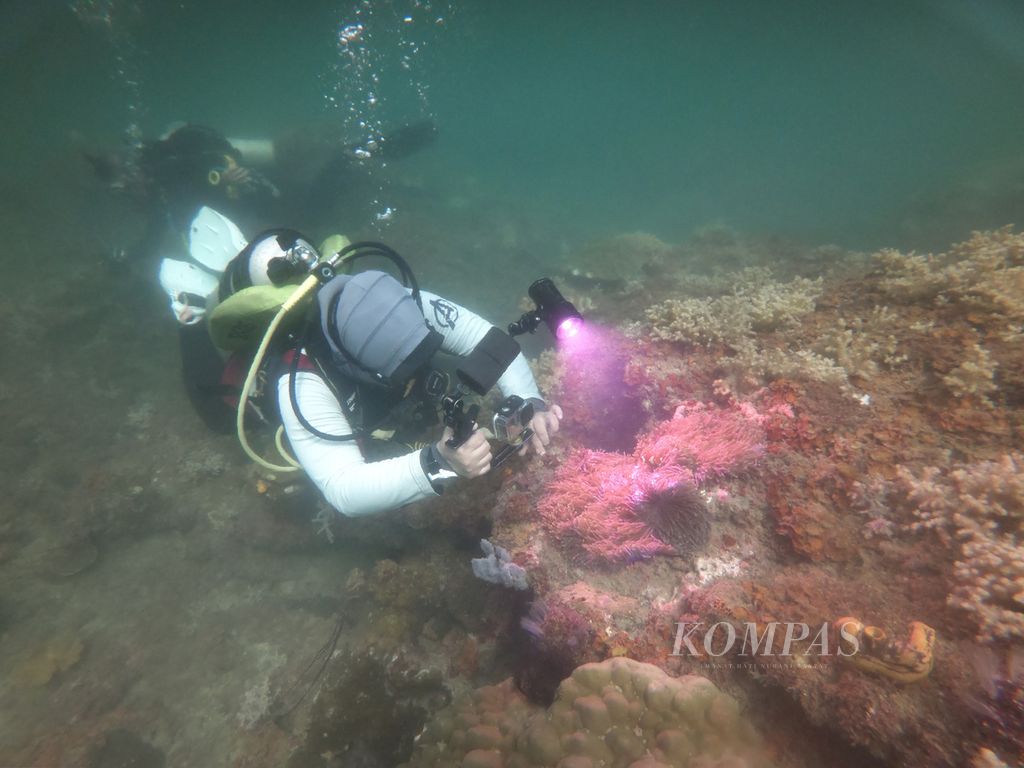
709,441
616,507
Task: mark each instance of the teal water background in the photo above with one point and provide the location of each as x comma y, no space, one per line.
821,120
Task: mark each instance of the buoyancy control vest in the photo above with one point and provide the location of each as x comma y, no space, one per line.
367,337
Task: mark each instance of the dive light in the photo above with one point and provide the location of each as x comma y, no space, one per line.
553,309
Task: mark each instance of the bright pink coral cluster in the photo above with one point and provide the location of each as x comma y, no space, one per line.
707,440
597,503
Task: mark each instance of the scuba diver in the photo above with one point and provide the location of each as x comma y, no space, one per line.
189,167
302,174
357,360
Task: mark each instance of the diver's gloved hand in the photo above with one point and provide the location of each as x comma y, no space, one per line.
247,181
471,459
544,424
237,175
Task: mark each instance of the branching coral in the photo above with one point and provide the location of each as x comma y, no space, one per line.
757,304
861,344
979,507
983,273
617,713
615,507
910,277
974,376
802,364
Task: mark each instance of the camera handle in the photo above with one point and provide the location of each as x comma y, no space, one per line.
460,419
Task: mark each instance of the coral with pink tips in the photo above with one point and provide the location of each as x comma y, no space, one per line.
707,440
615,507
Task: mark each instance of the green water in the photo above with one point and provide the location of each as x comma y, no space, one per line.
821,120
126,524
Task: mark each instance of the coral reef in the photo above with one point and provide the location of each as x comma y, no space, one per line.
756,304
618,713
612,507
974,376
984,273
736,327
860,345
937,363
979,508
875,378
561,637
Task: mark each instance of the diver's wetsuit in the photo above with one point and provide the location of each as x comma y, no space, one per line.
202,372
181,170
350,484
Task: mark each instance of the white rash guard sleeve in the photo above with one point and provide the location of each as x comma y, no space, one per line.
348,482
463,330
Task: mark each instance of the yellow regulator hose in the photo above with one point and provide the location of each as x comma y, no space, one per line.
307,285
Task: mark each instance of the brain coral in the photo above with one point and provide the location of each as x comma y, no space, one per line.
617,713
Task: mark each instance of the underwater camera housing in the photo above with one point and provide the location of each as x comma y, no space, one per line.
553,309
479,372
511,426
512,419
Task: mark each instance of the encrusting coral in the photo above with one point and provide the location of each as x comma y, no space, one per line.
618,713
980,507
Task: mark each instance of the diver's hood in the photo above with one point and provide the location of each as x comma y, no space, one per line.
375,331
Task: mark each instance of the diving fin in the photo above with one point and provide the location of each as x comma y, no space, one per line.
408,140
214,240
189,288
